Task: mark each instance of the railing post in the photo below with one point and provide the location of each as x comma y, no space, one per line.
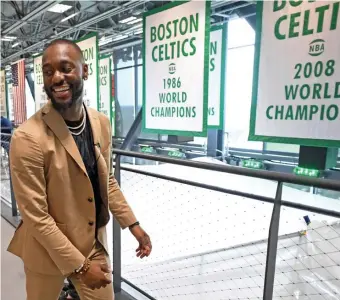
117,169
13,201
117,263
272,245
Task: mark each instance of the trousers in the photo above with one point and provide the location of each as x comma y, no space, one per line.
48,287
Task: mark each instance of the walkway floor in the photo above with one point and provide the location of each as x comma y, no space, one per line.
12,271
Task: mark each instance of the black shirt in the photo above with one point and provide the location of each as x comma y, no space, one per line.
85,145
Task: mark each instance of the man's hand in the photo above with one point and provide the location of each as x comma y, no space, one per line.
143,239
97,276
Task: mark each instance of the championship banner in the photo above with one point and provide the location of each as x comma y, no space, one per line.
217,62
113,106
105,87
296,89
19,92
3,95
176,69
10,102
89,47
40,96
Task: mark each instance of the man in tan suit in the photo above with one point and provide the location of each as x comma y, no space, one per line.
61,169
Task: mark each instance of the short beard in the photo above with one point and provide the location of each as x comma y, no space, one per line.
62,107
77,97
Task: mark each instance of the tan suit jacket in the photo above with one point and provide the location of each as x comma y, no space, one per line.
55,196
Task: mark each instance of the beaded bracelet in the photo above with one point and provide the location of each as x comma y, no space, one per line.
84,268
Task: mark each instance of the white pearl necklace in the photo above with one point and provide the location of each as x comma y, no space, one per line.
81,127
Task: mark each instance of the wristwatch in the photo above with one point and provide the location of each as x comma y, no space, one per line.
133,225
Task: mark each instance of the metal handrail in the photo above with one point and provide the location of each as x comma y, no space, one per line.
277,201
314,209
262,174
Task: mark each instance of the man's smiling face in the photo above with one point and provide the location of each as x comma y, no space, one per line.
63,72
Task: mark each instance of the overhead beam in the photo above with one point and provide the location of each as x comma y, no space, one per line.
232,7
109,19
63,26
39,24
249,13
85,25
82,25
32,15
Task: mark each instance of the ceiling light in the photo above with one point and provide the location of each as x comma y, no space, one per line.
127,20
135,27
106,40
69,17
134,21
139,11
8,38
16,44
36,54
138,31
119,37
8,67
59,8
103,41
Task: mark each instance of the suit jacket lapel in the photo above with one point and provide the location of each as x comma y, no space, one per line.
57,124
95,126
101,164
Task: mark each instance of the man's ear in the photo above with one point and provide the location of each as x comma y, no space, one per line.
85,71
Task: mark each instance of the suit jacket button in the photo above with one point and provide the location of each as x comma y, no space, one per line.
91,223
90,199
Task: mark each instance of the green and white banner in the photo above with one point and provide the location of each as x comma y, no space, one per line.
105,84
89,47
10,101
40,96
113,107
176,69
217,59
3,95
296,90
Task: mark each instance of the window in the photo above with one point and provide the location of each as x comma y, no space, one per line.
240,34
124,92
140,86
240,61
125,96
139,70
129,88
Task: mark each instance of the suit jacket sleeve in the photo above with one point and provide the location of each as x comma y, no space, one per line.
29,185
117,202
